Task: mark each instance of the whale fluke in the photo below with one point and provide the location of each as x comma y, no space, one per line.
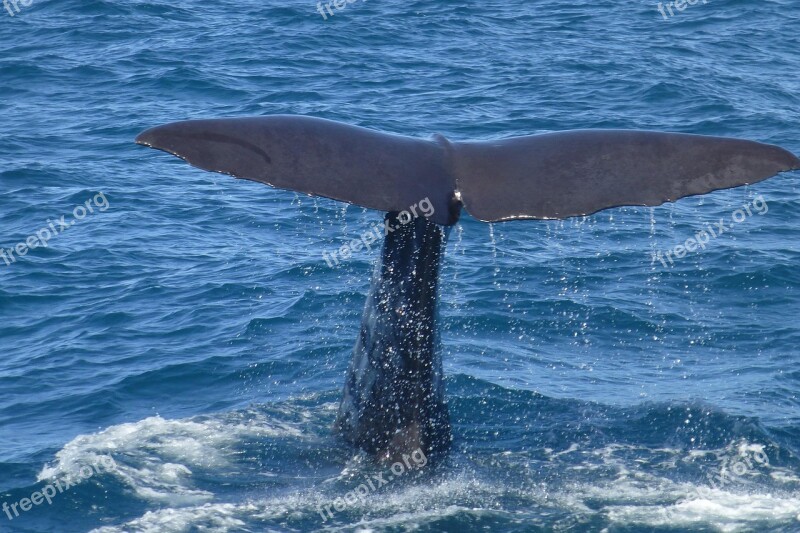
318,157
579,172
553,175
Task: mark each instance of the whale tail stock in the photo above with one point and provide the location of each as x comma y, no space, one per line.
546,176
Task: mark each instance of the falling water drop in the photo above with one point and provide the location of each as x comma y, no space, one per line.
496,271
343,216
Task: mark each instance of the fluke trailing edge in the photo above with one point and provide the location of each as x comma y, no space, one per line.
553,175
393,400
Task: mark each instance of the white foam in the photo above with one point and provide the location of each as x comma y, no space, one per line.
633,498
414,504
723,510
620,484
156,457
638,497
212,518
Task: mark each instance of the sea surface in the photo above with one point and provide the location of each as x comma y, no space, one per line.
172,361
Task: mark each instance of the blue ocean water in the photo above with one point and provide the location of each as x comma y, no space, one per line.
187,331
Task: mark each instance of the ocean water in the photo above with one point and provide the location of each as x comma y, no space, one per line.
181,347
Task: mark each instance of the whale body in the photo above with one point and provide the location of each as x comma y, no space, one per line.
393,401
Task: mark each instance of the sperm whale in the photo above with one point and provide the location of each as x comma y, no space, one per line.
393,401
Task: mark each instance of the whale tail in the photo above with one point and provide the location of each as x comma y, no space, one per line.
547,176
393,404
